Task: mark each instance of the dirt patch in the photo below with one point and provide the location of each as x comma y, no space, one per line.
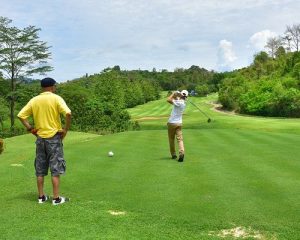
16,165
218,108
238,232
116,213
89,139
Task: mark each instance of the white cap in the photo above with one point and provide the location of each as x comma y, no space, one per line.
184,93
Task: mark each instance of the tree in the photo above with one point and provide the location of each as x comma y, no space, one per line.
260,59
296,71
273,43
116,68
21,54
4,87
3,112
280,52
231,90
287,41
293,34
202,90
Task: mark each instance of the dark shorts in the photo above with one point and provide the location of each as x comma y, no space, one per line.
49,154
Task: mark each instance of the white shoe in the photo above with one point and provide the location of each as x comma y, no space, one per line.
43,199
61,200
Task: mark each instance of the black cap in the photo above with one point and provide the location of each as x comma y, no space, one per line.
48,82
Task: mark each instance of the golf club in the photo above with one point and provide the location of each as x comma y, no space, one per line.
208,118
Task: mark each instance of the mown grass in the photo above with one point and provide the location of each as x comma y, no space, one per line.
239,171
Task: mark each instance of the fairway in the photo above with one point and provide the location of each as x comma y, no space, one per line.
240,180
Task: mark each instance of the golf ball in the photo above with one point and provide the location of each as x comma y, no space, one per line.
110,153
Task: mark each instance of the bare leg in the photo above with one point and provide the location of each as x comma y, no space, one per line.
40,185
55,185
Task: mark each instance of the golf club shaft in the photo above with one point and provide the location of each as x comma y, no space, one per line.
199,109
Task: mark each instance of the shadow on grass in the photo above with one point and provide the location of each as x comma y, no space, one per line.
27,196
166,158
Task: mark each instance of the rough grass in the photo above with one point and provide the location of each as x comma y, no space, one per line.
240,180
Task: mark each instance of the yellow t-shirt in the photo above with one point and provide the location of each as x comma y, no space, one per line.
46,109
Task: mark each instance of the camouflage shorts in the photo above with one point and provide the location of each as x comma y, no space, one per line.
49,154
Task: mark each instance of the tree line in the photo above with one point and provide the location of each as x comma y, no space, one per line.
99,102
270,86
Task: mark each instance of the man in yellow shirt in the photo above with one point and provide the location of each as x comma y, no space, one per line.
46,110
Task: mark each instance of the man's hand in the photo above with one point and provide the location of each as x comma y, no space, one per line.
62,133
34,131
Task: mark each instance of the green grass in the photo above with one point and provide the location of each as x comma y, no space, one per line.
239,171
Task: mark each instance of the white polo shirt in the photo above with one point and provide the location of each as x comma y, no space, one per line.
177,111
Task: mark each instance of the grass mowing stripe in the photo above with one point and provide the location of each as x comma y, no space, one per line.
238,171
157,111
275,147
242,187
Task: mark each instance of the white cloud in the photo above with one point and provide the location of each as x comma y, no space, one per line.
226,55
87,36
258,40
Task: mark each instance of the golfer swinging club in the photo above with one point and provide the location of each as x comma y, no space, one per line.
177,99
46,109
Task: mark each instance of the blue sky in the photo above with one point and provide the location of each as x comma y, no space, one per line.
89,35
